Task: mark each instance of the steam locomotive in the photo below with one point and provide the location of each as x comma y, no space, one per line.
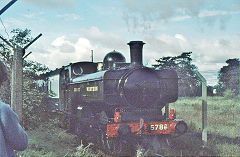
112,102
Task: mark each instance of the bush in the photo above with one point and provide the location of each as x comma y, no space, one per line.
34,106
228,94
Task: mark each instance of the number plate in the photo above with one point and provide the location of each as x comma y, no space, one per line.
159,127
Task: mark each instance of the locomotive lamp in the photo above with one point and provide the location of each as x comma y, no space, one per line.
117,115
172,114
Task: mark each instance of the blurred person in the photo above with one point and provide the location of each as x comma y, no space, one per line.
12,135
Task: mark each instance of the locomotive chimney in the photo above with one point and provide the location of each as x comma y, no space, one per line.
136,52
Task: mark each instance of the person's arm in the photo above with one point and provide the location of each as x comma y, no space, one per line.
15,135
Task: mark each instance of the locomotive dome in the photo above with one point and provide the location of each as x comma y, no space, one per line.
111,58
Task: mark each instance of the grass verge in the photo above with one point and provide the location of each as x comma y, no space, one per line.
48,140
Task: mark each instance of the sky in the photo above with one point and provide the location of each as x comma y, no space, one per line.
72,28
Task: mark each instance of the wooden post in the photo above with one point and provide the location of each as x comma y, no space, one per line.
17,82
17,76
239,81
238,104
17,70
204,108
204,112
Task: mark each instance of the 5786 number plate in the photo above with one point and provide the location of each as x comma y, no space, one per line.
159,127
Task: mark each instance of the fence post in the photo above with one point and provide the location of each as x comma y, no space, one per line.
238,104
204,108
238,81
17,82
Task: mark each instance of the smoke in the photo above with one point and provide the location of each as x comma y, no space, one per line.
52,3
143,14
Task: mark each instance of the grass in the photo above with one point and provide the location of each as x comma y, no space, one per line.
223,130
223,122
48,140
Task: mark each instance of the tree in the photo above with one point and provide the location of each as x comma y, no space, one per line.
228,77
32,96
19,37
189,84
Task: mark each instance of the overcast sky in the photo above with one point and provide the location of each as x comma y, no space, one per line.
72,28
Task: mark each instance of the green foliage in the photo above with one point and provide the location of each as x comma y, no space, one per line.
228,94
5,92
34,106
34,69
189,83
5,53
33,96
20,37
228,77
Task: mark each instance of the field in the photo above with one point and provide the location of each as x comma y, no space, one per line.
223,122
223,133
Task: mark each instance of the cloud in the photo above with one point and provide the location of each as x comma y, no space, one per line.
110,40
64,49
12,23
205,14
146,14
33,15
30,16
219,50
52,3
204,51
208,55
62,52
143,12
164,44
69,17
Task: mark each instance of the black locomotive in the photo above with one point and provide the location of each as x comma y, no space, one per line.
116,101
